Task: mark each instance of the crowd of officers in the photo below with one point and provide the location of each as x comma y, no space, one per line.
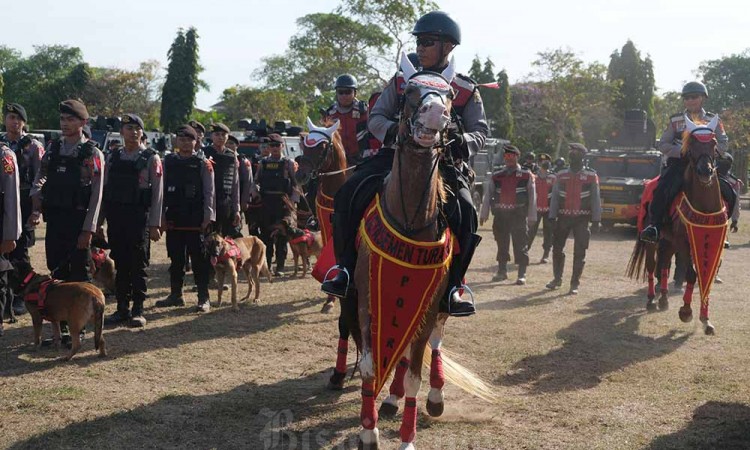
523,195
75,189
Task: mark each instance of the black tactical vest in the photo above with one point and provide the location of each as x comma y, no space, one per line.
123,186
64,187
225,165
273,179
183,191
25,174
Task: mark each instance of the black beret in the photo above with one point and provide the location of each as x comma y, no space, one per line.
75,108
16,108
234,139
187,131
197,126
274,137
131,119
577,146
507,148
219,127
544,157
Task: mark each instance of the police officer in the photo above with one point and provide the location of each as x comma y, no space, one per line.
694,95
724,170
245,172
513,204
11,220
68,191
187,213
254,210
575,202
201,133
560,164
529,162
437,35
352,115
132,206
277,188
544,181
29,153
226,182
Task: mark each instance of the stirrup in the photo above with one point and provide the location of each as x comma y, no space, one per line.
341,269
466,289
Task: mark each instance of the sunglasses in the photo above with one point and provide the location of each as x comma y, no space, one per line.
691,96
275,144
426,42
344,91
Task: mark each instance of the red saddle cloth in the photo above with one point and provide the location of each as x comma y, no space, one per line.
706,234
404,277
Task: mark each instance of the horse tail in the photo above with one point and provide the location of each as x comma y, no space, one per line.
350,314
462,377
636,268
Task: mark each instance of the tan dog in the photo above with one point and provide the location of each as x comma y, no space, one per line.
304,243
247,254
74,302
103,269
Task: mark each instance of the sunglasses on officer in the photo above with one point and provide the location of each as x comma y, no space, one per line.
691,96
274,144
427,41
344,91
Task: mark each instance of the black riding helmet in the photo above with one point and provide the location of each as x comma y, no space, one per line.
695,87
439,23
346,81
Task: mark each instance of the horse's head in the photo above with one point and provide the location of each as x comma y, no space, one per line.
700,146
427,106
322,149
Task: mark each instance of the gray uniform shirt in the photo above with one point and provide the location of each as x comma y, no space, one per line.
11,201
32,155
385,111
670,143
246,181
149,177
89,175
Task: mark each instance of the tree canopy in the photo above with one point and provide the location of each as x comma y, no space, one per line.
633,78
182,82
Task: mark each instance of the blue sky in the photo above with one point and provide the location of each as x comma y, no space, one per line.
235,35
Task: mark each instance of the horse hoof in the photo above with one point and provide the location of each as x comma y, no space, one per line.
336,382
663,304
387,411
650,305
327,307
435,409
362,446
708,328
686,314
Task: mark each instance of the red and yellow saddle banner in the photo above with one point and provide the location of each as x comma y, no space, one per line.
324,209
706,233
404,275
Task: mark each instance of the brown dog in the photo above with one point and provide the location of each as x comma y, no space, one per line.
247,253
103,269
74,302
304,243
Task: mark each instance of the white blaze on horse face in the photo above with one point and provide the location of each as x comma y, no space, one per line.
431,118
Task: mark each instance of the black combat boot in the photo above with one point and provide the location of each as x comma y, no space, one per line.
521,275
117,317
558,265
545,257
575,279
458,307
502,272
174,298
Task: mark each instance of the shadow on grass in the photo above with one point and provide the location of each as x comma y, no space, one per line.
605,341
250,416
714,425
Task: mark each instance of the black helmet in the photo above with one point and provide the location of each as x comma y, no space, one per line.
695,87
440,23
530,156
346,81
560,163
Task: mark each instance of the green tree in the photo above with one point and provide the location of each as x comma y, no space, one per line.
182,82
475,71
504,126
635,76
664,106
728,80
51,74
240,102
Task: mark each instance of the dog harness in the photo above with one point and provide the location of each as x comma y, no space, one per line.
39,298
98,256
232,252
306,237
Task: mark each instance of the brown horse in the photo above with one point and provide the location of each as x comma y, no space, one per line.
702,198
407,206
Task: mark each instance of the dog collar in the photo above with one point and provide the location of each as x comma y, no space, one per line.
26,280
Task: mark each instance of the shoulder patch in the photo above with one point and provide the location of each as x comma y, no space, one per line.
8,165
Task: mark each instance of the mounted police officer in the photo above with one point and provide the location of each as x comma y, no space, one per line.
513,204
575,202
544,180
226,182
133,192
724,170
187,213
277,190
29,153
694,95
351,113
437,35
10,211
68,191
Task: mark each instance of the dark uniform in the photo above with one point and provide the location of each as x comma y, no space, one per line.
132,205
69,184
575,202
10,225
188,204
545,180
227,189
513,204
276,179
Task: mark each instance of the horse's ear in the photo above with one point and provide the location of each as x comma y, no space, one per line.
689,124
334,127
713,123
450,72
407,68
310,125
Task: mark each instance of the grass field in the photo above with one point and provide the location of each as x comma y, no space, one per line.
593,371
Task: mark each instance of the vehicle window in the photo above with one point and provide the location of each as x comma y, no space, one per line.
643,168
608,167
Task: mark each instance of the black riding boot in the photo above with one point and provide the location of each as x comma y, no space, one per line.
458,307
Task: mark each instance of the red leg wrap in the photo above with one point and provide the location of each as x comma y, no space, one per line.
437,378
397,385
409,421
341,356
368,415
664,280
704,309
651,287
687,298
